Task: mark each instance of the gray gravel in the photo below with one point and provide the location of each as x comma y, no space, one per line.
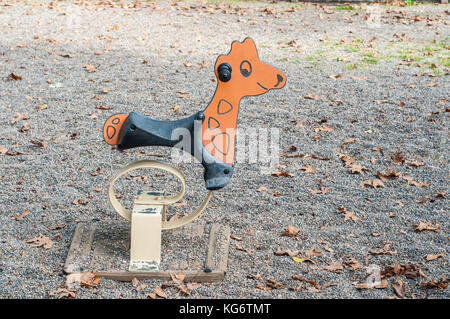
387,93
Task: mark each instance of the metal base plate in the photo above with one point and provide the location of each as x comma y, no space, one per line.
200,251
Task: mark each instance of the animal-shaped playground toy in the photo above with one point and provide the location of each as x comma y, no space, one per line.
212,132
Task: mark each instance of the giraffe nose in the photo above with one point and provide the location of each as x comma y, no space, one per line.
279,79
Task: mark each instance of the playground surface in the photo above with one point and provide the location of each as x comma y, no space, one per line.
361,187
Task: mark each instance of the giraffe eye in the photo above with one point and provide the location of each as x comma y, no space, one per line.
246,68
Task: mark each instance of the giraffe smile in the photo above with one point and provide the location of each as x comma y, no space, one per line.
261,86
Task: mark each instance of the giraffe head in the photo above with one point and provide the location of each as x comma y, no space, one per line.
241,73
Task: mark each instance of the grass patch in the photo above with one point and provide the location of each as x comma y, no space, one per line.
345,7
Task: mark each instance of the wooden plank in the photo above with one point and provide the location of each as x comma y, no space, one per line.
210,263
224,249
191,275
72,255
86,247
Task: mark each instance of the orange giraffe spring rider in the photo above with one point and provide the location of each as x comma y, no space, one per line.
240,73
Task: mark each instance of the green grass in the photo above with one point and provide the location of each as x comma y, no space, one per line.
345,7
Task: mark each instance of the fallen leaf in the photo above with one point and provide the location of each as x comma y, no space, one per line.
63,293
353,264
436,284
374,183
90,68
178,278
428,226
38,143
413,182
290,232
362,78
21,215
41,241
313,252
356,168
334,267
3,150
261,189
14,77
103,107
255,277
434,257
274,284
308,169
318,191
159,292
282,174
287,252
398,158
385,250
86,279
378,285
415,163
399,288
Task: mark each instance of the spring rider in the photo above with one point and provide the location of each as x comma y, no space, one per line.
209,136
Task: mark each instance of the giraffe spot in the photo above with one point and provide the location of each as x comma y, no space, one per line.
221,142
213,123
224,107
116,121
110,131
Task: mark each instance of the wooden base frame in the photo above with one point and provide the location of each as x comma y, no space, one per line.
200,251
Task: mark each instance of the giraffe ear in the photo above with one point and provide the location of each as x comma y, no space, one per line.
249,46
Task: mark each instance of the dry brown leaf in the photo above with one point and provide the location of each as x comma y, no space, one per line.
312,97
19,117
381,285
347,160
398,158
428,226
323,129
63,293
318,191
14,77
290,232
431,257
436,284
385,250
103,107
374,183
274,284
362,78
255,277
356,168
287,252
261,189
86,279
135,282
334,267
282,174
21,215
159,292
25,127
399,288
90,68
38,143
353,264
313,252
3,150
308,169
413,182
415,163
41,241
411,271
178,278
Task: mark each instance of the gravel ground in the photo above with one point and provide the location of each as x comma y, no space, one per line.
377,75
